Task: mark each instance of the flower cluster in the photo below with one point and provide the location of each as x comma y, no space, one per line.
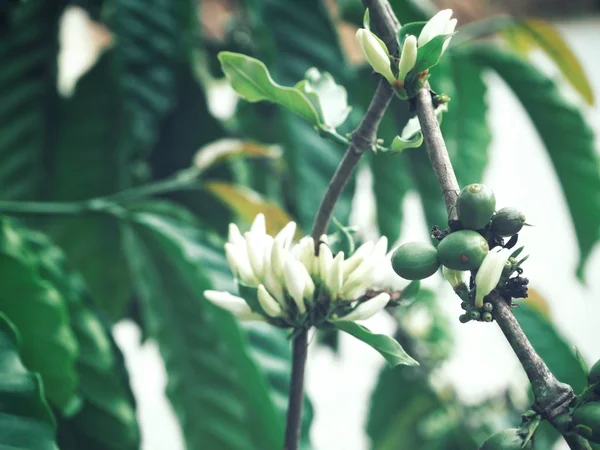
378,55
293,286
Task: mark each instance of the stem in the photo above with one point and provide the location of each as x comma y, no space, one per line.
437,151
363,140
31,208
552,397
296,399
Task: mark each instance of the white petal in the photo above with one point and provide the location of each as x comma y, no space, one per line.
235,237
380,249
449,29
275,286
286,235
489,273
369,308
335,277
295,282
232,303
357,258
278,254
256,252
309,288
375,53
454,277
258,226
306,255
436,26
325,261
268,303
240,266
408,58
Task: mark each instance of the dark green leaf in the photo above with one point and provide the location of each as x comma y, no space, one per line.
28,51
389,348
429,54
552,347
568,139
39,310
210,372
87,162
251,80
464,126
413,29
26,422
107,418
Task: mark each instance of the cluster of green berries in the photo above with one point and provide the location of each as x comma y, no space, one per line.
467,248
585,419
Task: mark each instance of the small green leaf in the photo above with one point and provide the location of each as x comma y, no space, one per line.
26,422
413,29
411,290
387,346
251,80
329,99
582,362
431,53
399,143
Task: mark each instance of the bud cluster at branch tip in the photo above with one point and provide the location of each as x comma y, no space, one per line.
378,56
292,287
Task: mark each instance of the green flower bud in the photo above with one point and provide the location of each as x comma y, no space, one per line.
487,317
475,206
415,260
488,307
511,439
462,250
586,421
474,315
508,222
464,318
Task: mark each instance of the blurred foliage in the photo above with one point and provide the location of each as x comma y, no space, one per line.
92,248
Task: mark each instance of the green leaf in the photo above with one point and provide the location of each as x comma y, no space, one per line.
329,99
304,36
251,80
26,422
91,120
552,347
413,29
430,54
465,126
107,418
150,50
387,346
39,310
547,37
411,291
28,48
210,372
568,139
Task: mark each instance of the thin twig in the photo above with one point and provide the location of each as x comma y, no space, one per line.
551,396
363,140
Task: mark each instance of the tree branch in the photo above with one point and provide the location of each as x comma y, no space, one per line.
363,139
551,396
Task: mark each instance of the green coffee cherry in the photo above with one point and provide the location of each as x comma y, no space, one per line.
476,204
464,318
511,439
487,317
488,307
415,260
474,315
586,421
508,222
462,250
594,375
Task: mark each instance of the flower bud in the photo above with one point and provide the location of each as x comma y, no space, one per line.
437,25
232,303
235,237
325,261
489,273
267,302
375,53
335,277
369,308
255,246
239,264
295,282
258,225
408,58
286,235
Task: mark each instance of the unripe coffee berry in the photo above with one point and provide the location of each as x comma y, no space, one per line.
487,317
586,421
464,318
488,307
462,250
511,439
415,260
474,315
475,205
594,374
508,222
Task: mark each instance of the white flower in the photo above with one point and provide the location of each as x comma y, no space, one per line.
376,53
369,308
436,26
408,57
232,303
489,273
290,279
